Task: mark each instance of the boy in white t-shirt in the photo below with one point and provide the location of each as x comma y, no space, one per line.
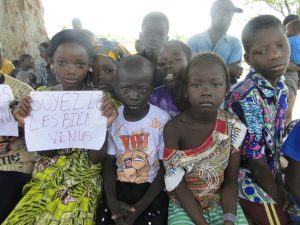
133,171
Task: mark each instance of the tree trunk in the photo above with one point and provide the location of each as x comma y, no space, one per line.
22,27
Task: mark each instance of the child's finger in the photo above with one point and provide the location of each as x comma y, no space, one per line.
127,207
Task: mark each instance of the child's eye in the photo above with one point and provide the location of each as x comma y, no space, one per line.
196,85
217,85
262,52
80,65
178,60
108,70
126,89
161,64
61,62
143,90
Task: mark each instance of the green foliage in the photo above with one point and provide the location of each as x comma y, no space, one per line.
285,7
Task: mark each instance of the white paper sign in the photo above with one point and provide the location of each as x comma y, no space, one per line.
65,119
8,125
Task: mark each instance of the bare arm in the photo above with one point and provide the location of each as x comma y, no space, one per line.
264,177
235,70
230,185
183,194
293,179
155,188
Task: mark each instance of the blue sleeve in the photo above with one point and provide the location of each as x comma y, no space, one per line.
236,51
290,147
192,44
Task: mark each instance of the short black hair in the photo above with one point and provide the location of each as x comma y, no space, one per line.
205,58
70,36
24,56
135,63
290,18
16,63
158,16
45,45
187,51
257,24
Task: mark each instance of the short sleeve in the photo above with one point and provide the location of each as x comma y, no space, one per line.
250,114
174,172
236,51
111,148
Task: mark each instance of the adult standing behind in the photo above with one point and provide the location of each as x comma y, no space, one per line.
5,65
76,24
154,34
216,40
291,76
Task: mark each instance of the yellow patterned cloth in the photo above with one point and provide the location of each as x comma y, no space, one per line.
64,190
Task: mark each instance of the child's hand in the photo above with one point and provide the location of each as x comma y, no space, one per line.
22,110
108,110
120,211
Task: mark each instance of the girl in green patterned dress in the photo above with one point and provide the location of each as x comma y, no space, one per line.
66,184
201,154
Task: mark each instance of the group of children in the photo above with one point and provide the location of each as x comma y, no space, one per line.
173,155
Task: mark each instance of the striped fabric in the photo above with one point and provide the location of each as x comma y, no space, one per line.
177,216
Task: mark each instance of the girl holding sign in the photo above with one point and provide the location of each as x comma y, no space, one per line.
66,185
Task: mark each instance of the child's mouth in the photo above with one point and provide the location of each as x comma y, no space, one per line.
170,77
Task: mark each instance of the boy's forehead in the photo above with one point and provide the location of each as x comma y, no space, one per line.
134,76
262,36
156,24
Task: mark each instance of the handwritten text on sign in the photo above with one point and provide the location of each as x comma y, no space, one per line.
65,119
8,125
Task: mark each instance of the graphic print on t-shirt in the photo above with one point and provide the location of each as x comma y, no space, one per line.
134,161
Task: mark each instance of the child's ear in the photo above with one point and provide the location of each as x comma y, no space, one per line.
247,58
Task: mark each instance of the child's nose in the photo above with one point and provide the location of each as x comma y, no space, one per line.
71,68
275,53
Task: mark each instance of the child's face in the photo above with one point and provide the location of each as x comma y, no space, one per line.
290,30
206,87
134,90
104,73
71,64
28,63
43,53
171,64
154,34
269,53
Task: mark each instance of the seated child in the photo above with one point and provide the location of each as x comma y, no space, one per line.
202,156
290,149
172,61
133,169
293,33
66,184
260,102
107,55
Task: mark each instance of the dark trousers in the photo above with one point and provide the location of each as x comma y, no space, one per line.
11,185
130,193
